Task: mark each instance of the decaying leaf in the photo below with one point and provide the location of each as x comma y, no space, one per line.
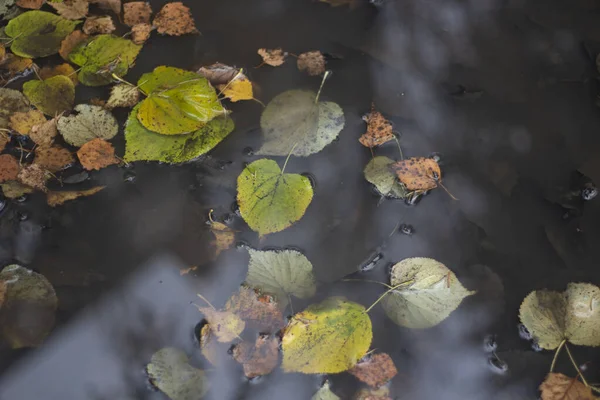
13,66
97,154
52,96
44,134
9,168
34,176
169,370
573,315
31,4
258,359
98,25
375,370
378,172
27,315
62,69
257,311
89,123
22,122
140,33
11,101
123,95
175,19
53,158
325,393
14,189
273,57
224,237
71,9
561,387
427,292
224,324
219,74
208,346
58,198
70,42
379,129
269,200
313,62
297,120
418,173
326,338
383,393
240,88
136,12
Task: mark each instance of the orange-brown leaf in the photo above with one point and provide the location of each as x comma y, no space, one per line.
140,33
260,358
62,69
272,57
257,311
224,237
383,393
43,134
313,62
97,154
98,25
175,19
379,130
31,4
22,122
70,42
57,198
561,387
9,168
418,173
375,370
53,158
136,12
33,176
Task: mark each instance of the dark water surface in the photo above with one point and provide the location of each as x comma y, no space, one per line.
505,91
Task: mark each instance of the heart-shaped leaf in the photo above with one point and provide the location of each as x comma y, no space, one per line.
52,96
89,123
169,370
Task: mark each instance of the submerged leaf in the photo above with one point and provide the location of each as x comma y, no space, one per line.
97,154
89,123
273,57
383,393
325,393
224,237
270,200
175,19
31,4
379,129
375,370
561,387
14,189
44,134
313,62
219,74
378,172
208,346
258,359
418,173
62,69
13,67
11,101
258,311
52,96
57,198
169,370
296,120
224,324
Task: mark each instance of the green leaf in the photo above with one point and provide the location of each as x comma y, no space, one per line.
325,393
51,96
281,273
101,56
573,315
269,200
144,145
294,118
89,123
431,293
11,101
178,101
38,33
326,338
169,370
379,174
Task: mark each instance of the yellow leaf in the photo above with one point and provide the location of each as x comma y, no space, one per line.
224,324
238,89
22,122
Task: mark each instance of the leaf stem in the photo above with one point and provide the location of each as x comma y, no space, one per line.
327,74
399,147
288,157
556,353
367,280
387,292
575,365
206,301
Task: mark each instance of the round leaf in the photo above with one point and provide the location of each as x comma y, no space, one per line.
378,173
11,101
269,200
89,123
295,118
169,370
52,96
326,338
431,293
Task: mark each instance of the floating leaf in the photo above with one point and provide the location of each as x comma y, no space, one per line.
379,129
136,12
31,4
573,315
430,294
38,33
62,69
13,67
145,145
378,172
224,237
70,42
140,33
418,173
224,324
102,56
169,370
6,6
57,198
258,359
325,393
258,311
97,154
296,118
14,189
123,95
562,387
44,134
52,96
89,123
313,62
326,338
219,74
22,122
11,101
272,57
34,176
178,101
208,346
375,370
71,9
27,315
98,25
270,200
175,19
53,158
238,89
9,168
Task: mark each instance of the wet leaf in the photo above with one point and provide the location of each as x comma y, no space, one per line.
208,346
145,145
313,62
136,12
62,69
258,359
573,315
430,294
71,9
238,89
175,19
9,168
382,393
58,198
169,370
258,311
38,33
11,101
97,154
98,25
31,4
219,74
140,33
13,67
224,324
6,6
89,123
4,140
295,118
53,158
70,42
379,129
325,393
418,173
273,57
22,122
27,315
326,338
123,95
33,176
269,200
52,96
224,237
378,172
14,189
375,370
562,387
281,273
178,101
44,134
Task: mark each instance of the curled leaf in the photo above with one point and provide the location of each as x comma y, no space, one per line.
89,123
58,198
52,96
418,173
219,74
258,359
175,19
208,346
313,62
169,370
379,129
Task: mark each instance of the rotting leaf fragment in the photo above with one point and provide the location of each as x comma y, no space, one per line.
256,310
9,168
175,19
379,129
136,12
313,62
259,358
375,370
272,57
225,325
58,198
224,237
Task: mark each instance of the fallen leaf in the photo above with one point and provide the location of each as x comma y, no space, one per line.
14,189
62,69
561,387
97,154
9,10
325,393
224,324
375,370
326,338
31,4
175,19
111,5
425,295
38,33
378,172
13,66
379,129
185,271
11,101
269,200
313,62
89,123
33,176
238,89
256,311
140,33
382,393
58,198
573,315
22,122
418,173
123,95
224,237
258,359
295,121
52,96
9,168
98,25
71,9
219,74
136,12
53,158
4,140
44,134
273,57
208,346
70,42
169,370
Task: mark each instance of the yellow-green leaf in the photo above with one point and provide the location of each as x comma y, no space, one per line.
378,173
51,96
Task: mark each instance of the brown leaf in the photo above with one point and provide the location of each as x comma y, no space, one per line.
112,5
34,176
375,370
62,69
258,359
98,25
70,42
273,57
22,122
53,158
379,129
224,237
31,4
175,19
13,65
225,325
9,168
136,12
43,135
561,387
313,62
57,198
71,9
219,74
208,345
97,154
140,33
418,173
258,311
